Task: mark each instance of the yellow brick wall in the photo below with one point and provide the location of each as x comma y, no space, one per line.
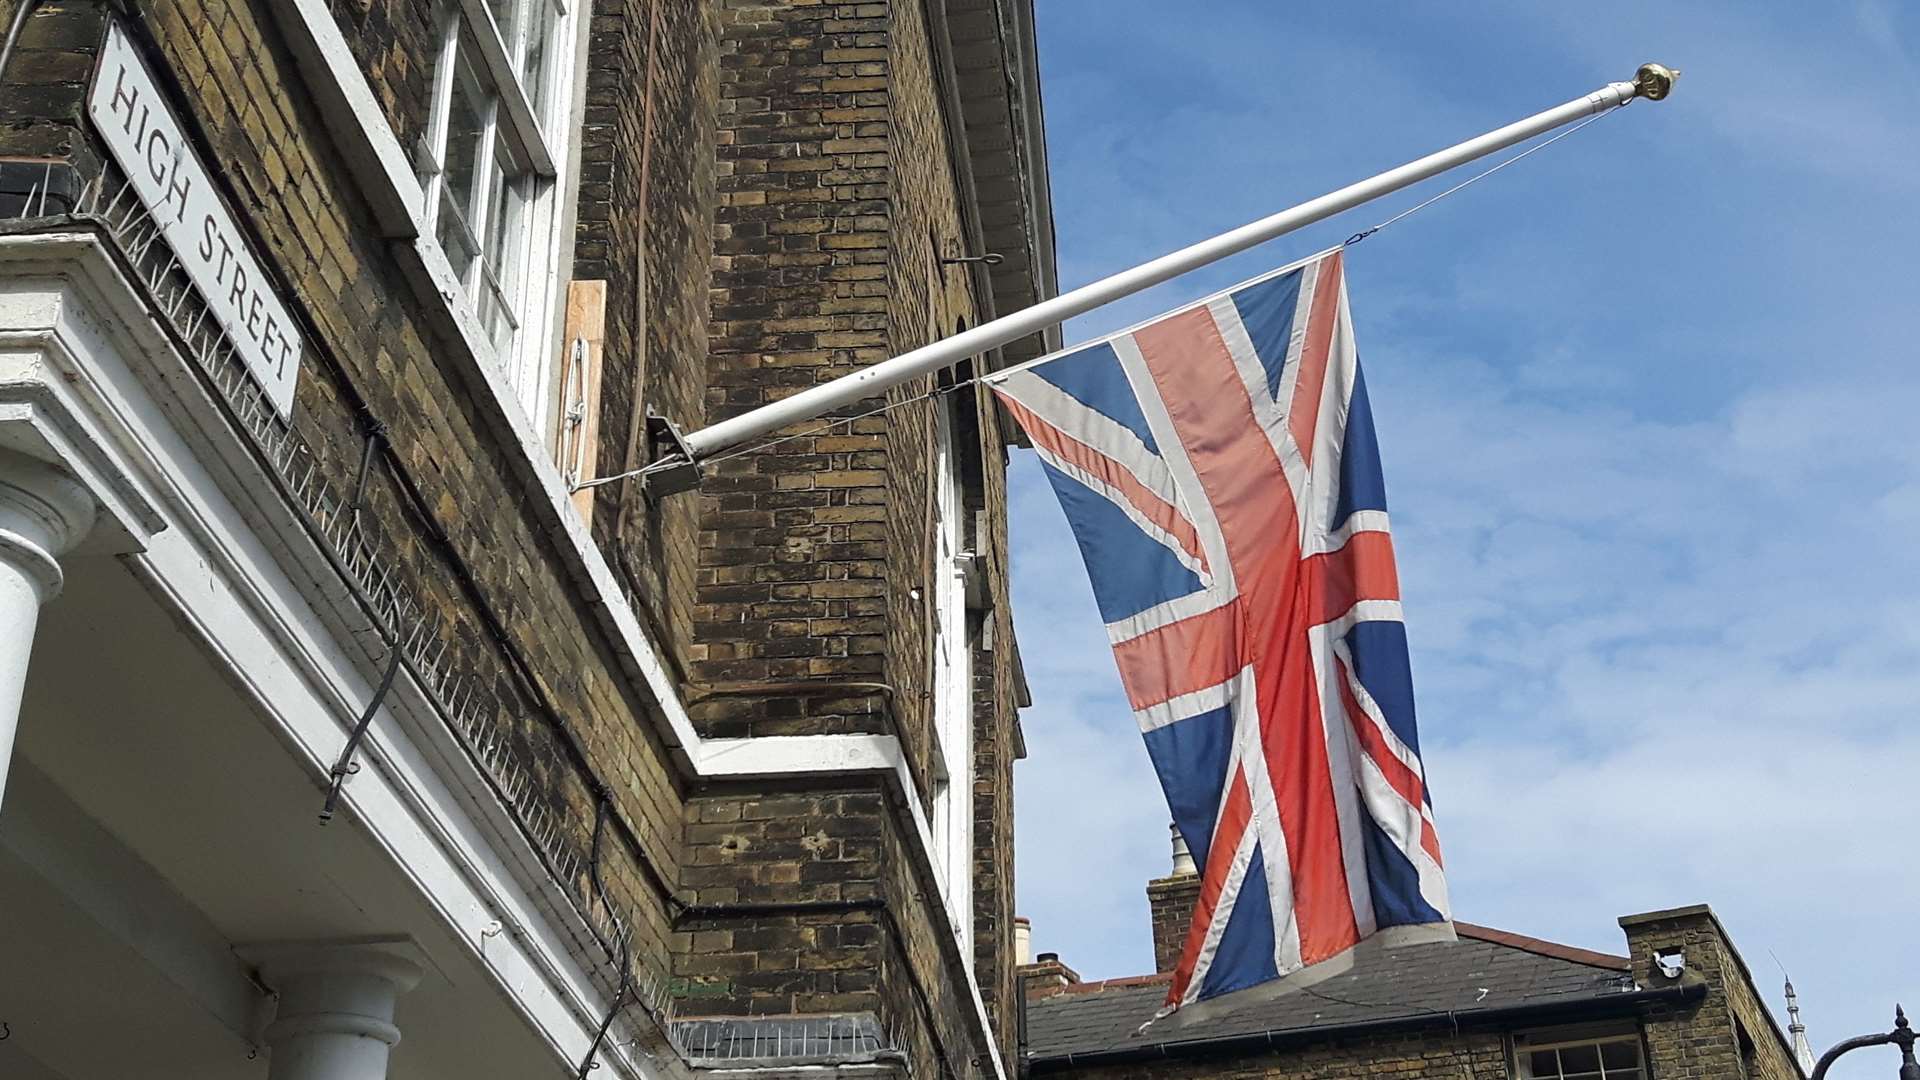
447,505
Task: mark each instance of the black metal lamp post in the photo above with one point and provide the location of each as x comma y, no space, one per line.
1901,1036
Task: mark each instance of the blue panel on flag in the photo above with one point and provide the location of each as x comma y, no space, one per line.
1362,487
1192,756
1380,663
1267,311
1131,571
1394,882
1242,635
1094,378
1245,957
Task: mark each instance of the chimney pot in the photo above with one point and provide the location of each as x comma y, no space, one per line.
1182,858
1171,900
1022,940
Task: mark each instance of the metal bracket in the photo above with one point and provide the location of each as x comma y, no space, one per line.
673,470
991,258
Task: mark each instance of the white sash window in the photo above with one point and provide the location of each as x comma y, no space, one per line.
489,165
952,685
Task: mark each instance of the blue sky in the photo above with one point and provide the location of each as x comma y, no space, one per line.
1647,402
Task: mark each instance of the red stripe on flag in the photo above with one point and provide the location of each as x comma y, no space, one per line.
1245,484
1295,741
1110,472
1361,569
1234,817
1178,658
1303,413
1402,779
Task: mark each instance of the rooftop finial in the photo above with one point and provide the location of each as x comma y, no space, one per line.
1802,1050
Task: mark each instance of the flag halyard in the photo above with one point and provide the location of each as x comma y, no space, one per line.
1220,470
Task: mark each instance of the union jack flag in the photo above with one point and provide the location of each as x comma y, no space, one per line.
1219,468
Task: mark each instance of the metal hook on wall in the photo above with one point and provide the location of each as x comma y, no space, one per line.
991,258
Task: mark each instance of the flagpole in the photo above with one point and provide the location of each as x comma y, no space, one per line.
1652,82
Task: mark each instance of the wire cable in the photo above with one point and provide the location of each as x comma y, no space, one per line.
1349,242
1479,176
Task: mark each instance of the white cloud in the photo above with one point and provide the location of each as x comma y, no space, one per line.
1648,405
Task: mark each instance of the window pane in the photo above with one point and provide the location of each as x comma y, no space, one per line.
1579,1059
503,222
1541,1063
503,20
533,70
466,126
457,241
498,322
1620,1055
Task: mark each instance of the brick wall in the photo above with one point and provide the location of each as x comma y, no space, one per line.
1433,1056
810,901
794,583
996,745
835,198
1170,902
1727,1033
790,166
448,501
393,42
44,97
784,887
647,140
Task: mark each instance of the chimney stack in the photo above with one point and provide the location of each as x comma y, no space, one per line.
1037,975
1172,899
1046,975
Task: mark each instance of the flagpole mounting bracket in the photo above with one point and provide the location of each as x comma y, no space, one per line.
674,468
1654,81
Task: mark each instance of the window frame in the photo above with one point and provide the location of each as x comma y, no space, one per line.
952,647
524,142
1595,1035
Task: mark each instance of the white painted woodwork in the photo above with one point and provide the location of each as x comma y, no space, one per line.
334,1019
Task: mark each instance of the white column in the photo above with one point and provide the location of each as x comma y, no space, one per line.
43,513
335,1016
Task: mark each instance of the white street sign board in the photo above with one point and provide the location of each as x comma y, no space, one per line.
147,140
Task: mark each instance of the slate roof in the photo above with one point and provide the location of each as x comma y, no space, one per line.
1485,970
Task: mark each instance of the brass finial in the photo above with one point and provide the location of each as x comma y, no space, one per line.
1654,81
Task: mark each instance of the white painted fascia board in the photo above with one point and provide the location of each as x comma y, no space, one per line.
777,757
427,806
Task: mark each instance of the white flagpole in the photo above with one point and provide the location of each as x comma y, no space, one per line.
1652,82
